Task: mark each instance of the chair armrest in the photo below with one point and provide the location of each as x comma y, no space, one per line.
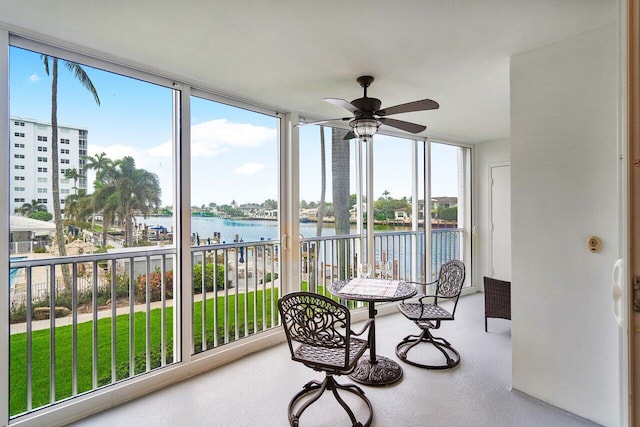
364,328
425,285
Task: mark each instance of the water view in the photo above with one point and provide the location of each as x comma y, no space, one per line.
247,230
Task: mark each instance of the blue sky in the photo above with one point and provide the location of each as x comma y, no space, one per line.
234,151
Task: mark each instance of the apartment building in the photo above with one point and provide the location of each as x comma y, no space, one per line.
30,170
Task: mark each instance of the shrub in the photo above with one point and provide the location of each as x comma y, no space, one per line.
197,277
17,313
155,286
267,277
41,216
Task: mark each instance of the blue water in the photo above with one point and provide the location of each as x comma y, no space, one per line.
247,230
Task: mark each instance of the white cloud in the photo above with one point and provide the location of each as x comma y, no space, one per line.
208,139
249,169
34,77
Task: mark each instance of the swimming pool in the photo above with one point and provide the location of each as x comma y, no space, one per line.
13,272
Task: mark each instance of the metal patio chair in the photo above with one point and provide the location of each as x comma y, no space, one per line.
319,335
428,316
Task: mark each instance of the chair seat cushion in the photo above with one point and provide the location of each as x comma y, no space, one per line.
417,311
330,357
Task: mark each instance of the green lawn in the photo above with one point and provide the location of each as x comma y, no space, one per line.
63,347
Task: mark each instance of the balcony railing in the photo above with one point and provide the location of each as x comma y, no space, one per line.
79,323
76,338
235,291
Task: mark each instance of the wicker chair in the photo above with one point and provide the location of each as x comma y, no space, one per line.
429,316
319,334
497,299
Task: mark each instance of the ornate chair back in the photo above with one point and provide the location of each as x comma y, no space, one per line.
450,282
318,322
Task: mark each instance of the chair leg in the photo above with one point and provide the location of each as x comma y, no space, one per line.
485,323
410,341
317,389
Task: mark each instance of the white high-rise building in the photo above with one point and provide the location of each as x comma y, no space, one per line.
31,162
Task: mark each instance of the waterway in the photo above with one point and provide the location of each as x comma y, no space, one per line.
247,230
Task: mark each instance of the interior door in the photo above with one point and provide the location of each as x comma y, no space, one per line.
500,217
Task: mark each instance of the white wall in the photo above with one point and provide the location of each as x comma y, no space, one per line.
563,189
487,154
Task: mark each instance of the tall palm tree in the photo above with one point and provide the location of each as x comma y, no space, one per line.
105,200
74,175
138,191
102,165
341,197
323,184
86,82
98,162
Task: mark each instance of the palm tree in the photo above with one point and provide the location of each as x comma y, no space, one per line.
138,191
28,208
78,207
102,165
323,185
105,200
98,162
340,173
74,175
84,79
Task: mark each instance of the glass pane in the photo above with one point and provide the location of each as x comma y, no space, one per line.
86,170
393,206
234,222
446,183
338,172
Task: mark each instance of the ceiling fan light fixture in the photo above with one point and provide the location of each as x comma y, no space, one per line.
365,128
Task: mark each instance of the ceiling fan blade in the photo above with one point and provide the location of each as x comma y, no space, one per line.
425,104
400,124
319,122
342,103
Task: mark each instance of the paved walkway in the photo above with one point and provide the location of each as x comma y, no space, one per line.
18,328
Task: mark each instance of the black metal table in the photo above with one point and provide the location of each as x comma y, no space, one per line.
376,370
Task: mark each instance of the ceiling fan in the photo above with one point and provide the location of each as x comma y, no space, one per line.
368,116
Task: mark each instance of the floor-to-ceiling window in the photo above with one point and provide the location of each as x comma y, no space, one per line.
108,311
392,231
234,221
449,206
91,277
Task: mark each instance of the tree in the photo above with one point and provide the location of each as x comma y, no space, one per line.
385,207
28,208
138,190
78,207
323,183
105,200
100,163
74,175
449,214
340,174
270,204
86,82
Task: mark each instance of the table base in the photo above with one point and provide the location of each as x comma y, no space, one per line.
381,372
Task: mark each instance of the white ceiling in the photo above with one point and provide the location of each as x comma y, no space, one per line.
290,54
